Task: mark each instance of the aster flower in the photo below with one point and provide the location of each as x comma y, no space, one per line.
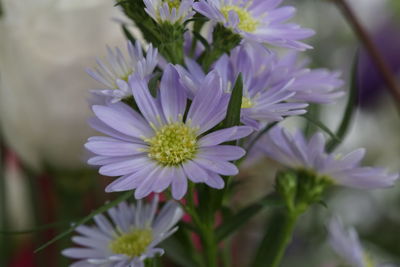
311,85
347,245
115,76
161,147
257,20
263,101
173,11
130,238
295,152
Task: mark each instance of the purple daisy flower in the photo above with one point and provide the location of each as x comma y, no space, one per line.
295,152
115,76
257,20
311,85
173,11
163,147
130,237
264,100
347,245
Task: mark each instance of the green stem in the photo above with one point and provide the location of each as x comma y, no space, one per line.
349,111
205,227
259,135
277,238
209,246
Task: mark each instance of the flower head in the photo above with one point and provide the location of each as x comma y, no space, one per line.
310,85
295,152
130,237
264,99
116,75
347,245
162,146
256,20
173,11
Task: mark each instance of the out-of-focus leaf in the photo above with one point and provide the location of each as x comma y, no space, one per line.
102,209
239,219
322,126
177,251
349,111
128,34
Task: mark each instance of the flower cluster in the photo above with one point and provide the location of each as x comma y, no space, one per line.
173,115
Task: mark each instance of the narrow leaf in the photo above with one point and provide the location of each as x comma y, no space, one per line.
322,127
235,103
279,231
243,216
203,41
177,251
259,135
349,111
128,34
102,209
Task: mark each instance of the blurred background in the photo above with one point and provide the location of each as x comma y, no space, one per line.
45,46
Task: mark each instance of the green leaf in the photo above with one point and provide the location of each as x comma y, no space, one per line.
322,126
128,34
102,209
235,222
178,252
276,238
349,111
196,18
153,83
202,40
235,103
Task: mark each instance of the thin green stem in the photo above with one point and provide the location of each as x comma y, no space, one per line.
349,111
276,240
205,229
210,246
259,135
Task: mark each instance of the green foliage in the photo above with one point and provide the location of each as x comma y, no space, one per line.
349,111
224,40
322,126
84,220
235,102
236,221
167,37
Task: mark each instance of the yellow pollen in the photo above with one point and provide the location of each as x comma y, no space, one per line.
173,144
247,103
132,244
246,22
173,4
126,76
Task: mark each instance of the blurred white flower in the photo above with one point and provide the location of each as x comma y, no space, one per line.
45,47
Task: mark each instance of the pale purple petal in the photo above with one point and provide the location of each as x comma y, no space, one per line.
225,135
179,184
173,95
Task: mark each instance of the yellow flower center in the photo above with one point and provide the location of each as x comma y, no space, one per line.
368,261
173,4
246,22
247,103
173,144
132,244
